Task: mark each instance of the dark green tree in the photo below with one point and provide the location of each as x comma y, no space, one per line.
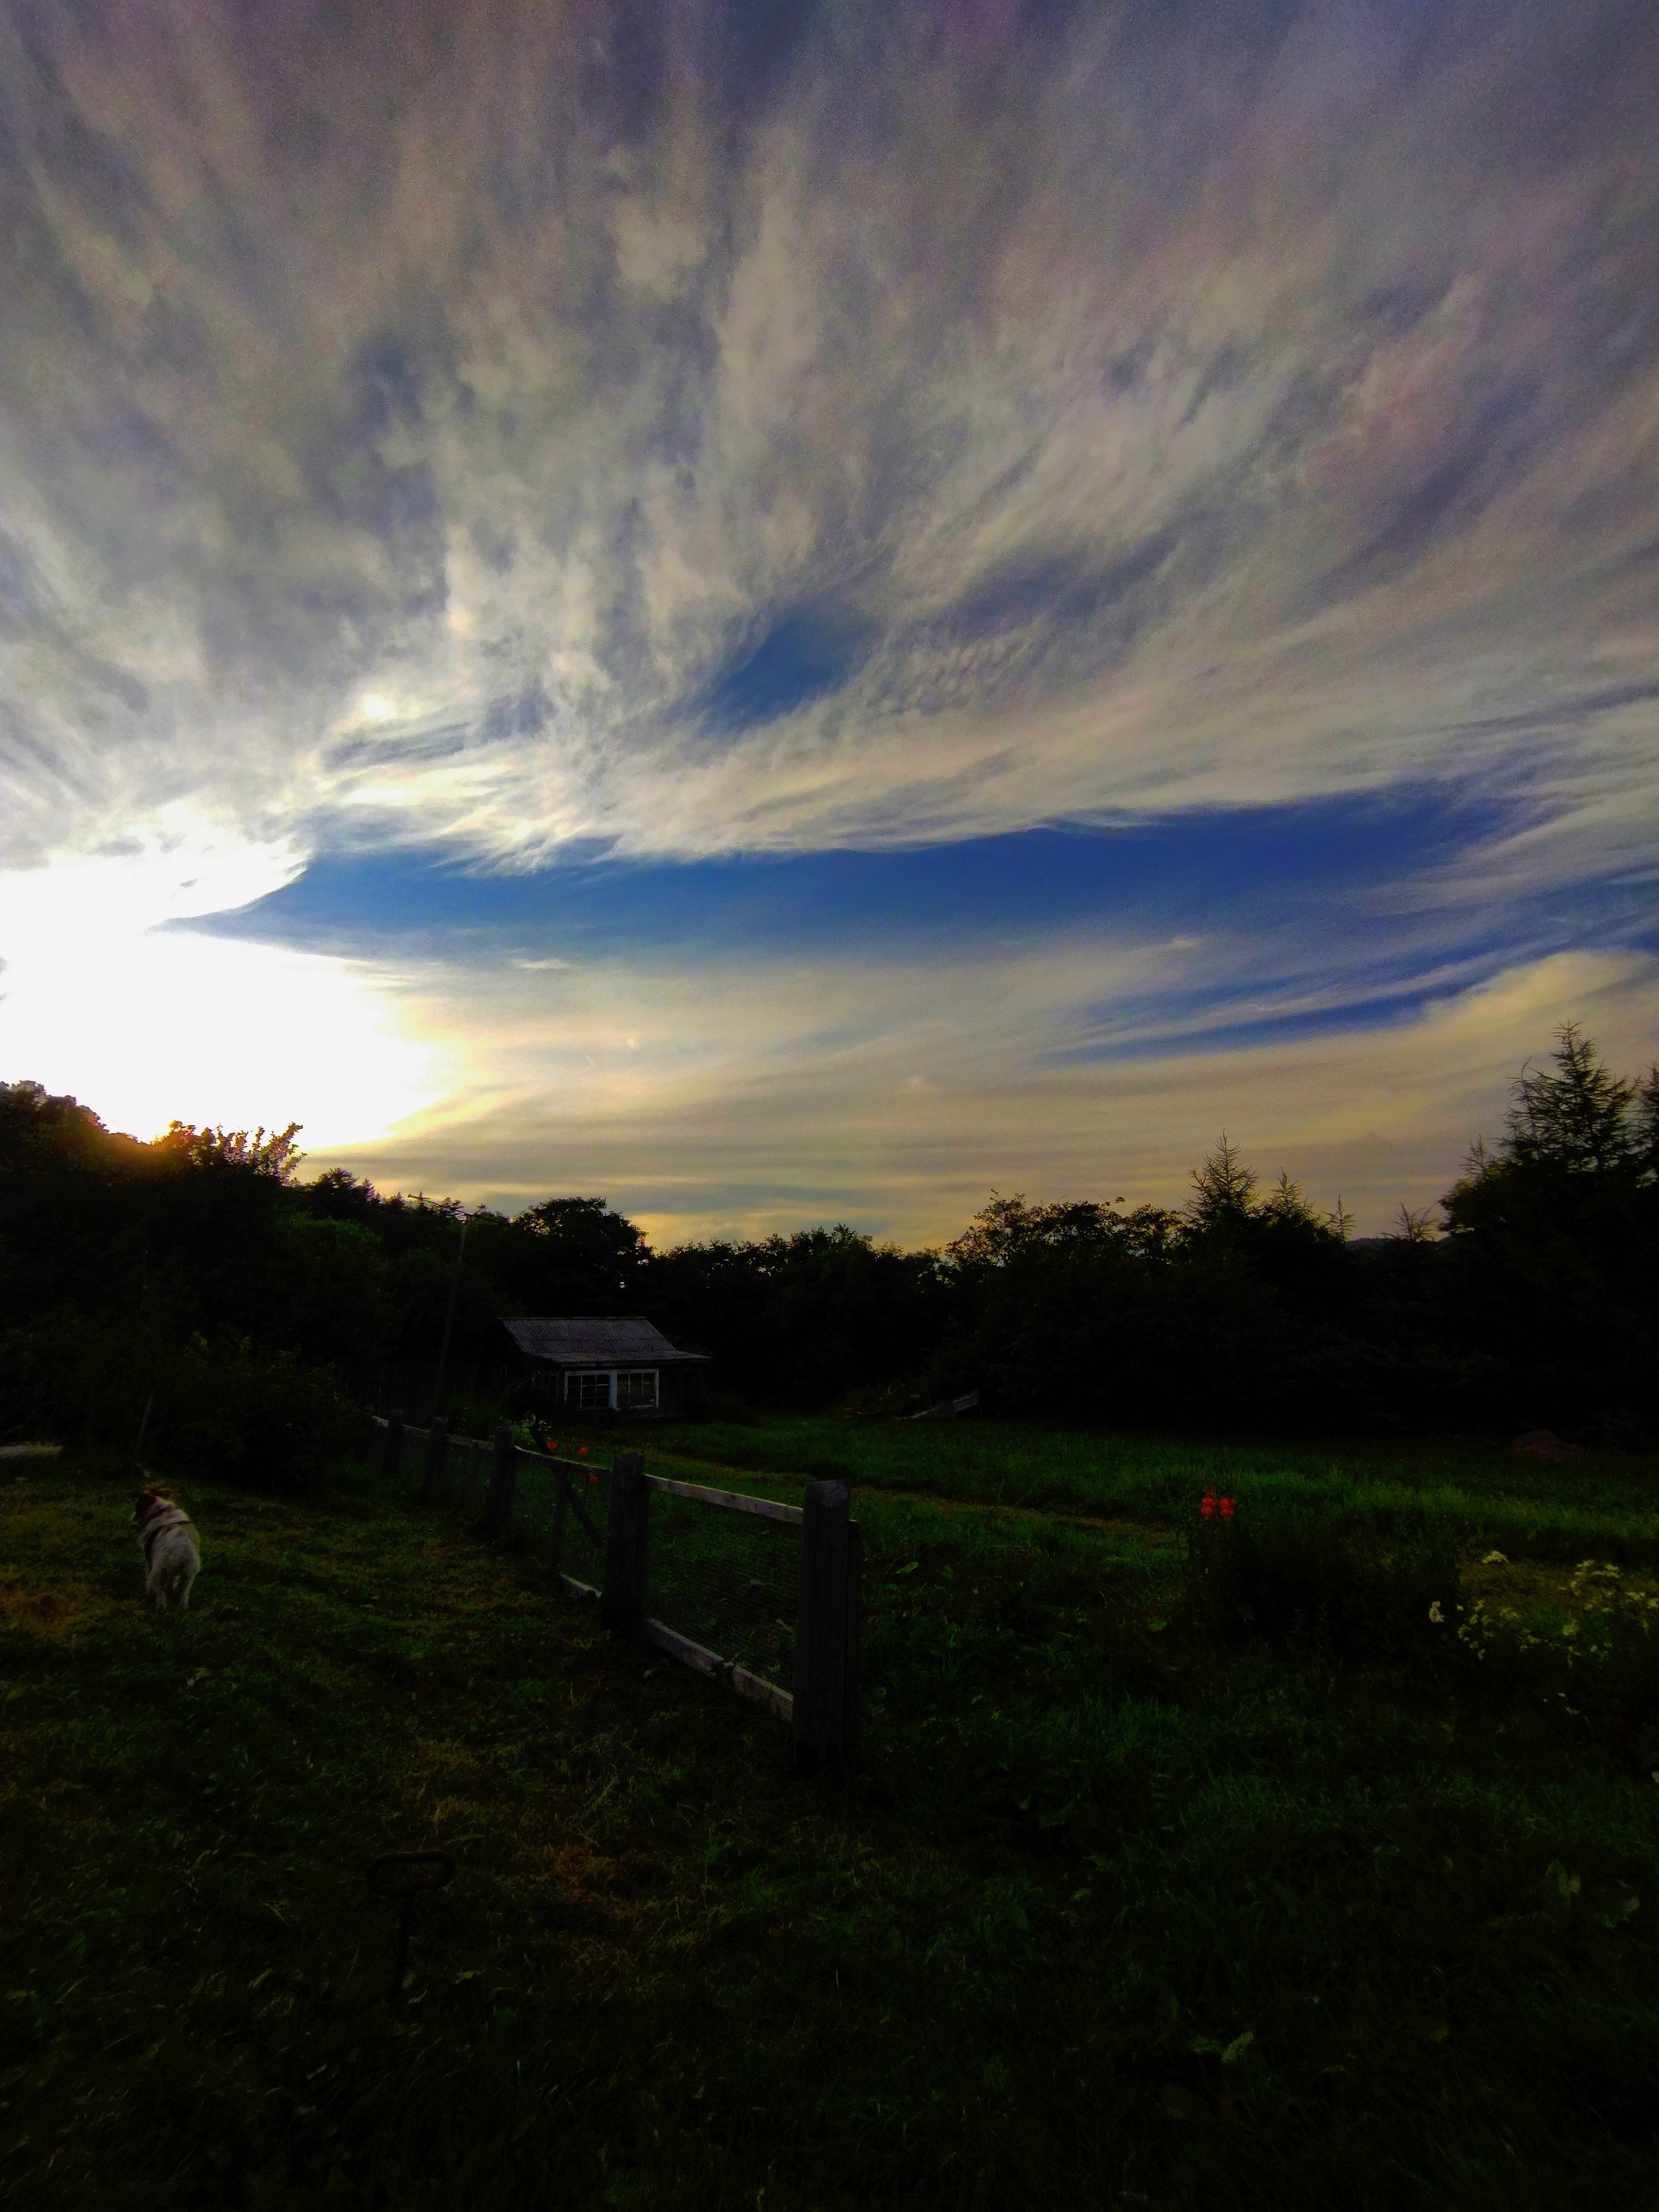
1554,1238
1575,1116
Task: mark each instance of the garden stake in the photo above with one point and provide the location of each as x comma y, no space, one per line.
403,1894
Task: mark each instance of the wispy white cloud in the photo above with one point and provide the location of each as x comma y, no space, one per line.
739,1097
1116,420
728,1090
500,433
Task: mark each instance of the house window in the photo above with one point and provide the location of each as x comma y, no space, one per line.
589,1394
636,1389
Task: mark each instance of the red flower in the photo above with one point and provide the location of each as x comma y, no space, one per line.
1226,1508
582,1450
1207,1509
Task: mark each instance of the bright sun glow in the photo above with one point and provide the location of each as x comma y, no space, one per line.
143,1022
213,1030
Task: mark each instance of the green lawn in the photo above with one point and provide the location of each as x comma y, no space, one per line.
1118,1915
1608,1502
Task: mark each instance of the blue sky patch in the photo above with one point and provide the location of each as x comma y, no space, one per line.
1190,872
801,658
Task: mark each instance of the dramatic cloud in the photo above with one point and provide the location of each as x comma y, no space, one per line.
509,426
738,1100
542,437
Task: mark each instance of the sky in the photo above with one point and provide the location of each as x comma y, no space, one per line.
792,612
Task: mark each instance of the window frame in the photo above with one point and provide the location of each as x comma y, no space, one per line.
611,1377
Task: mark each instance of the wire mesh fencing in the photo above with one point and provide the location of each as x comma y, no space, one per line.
464,1477
764,1595
723,1572
564,1507
558,1504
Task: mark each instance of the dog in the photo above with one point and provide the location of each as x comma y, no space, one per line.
172,1561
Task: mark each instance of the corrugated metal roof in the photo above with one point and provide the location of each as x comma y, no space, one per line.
583,1339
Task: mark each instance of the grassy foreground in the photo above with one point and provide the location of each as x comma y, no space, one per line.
1119,1915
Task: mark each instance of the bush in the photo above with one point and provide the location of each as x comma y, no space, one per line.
1356,1589
225,1409
1598,1664
478,1416
244,1415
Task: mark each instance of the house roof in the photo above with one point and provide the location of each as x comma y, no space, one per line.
594,1339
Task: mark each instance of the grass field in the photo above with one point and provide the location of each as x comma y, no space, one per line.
1120,1913
1609,1502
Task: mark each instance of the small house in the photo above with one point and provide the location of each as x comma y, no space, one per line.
594,1364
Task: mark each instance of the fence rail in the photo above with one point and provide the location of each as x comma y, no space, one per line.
768,1507
762,1595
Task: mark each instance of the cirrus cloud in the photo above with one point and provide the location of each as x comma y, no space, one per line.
601,435
507,429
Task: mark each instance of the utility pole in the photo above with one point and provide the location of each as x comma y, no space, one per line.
449,1321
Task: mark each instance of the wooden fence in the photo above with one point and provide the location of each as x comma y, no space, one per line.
764,1595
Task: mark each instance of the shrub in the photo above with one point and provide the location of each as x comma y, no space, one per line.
1356,1589
1598,1664
226,1408
479,1416
233,1411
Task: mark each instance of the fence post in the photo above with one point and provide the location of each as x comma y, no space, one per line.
437,1459
821,1686
555,1541
622,1600
503,1482
849,1725
391,1450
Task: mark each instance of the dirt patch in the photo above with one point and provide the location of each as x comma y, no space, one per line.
1151,1532
54,1614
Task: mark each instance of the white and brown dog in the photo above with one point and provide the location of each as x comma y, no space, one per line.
172,1561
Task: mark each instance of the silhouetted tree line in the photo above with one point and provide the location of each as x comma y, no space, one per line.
199,1277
